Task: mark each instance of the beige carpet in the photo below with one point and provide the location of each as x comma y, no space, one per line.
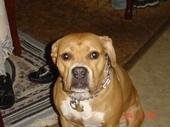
151,77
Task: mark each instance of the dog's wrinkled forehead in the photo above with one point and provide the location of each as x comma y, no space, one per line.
79,40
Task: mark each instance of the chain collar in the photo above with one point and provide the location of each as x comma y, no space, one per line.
107,79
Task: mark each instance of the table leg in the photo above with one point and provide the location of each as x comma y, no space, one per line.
129,9
10,7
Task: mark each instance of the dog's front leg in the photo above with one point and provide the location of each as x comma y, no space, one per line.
64,122
111,125
136,115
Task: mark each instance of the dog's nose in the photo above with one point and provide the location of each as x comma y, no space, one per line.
79,72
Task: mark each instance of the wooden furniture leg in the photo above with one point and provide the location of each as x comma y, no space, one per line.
129,9
1,121
10,7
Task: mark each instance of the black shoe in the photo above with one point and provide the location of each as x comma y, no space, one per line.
42,76
7,97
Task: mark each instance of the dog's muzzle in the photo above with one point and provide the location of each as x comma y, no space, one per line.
79,78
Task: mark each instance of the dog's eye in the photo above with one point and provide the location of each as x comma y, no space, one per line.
66,56
94,55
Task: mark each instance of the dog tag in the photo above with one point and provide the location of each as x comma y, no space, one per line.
75,104
79,108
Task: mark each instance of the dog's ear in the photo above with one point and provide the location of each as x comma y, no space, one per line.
109,49
54,51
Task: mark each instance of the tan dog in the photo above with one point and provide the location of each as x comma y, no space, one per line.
92,90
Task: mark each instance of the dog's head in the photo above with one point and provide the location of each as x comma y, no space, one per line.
81,59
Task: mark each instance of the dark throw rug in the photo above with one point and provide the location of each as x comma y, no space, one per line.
47,20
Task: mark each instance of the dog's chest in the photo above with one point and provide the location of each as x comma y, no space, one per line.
88,117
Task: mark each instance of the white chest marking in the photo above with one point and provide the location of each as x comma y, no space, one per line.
88,117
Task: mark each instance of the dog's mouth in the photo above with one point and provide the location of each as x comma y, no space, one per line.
79,87
79,80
